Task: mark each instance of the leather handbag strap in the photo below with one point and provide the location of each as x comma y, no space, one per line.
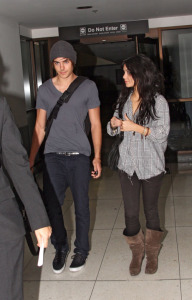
28,232
63,99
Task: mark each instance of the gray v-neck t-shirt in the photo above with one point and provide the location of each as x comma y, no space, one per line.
67,131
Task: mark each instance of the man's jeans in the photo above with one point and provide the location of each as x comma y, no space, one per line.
60,172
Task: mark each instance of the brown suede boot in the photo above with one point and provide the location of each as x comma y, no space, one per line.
136,244
153,240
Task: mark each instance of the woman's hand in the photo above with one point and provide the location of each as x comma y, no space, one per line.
128,125
115,122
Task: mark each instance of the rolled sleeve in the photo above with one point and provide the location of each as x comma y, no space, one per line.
160,129
111,131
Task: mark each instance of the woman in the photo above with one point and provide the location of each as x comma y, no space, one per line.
142,114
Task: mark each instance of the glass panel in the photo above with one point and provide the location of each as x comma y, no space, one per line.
149,47
177,64
27,74
180,134
41,61
40,52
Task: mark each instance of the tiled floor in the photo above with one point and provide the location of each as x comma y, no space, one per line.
106,275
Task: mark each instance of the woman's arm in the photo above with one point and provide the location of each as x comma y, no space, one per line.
159,130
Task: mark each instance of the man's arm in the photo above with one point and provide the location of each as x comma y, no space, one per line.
96,133
38,135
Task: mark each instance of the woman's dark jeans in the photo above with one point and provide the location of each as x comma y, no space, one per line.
131,187
61,172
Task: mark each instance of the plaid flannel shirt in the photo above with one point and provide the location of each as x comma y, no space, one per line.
144,156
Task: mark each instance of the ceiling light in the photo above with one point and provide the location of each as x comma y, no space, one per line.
84,7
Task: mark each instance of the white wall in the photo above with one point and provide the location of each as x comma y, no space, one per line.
170,21
39,33
11,73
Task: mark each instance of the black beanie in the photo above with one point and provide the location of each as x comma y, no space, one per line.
63,49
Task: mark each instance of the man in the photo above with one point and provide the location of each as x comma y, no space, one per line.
67,151
14,160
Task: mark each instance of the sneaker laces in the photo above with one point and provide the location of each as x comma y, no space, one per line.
60,255
78,258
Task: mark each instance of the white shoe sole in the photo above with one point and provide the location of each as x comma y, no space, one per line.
76,269
62,269
58,271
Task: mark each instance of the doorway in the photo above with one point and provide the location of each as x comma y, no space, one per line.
101,62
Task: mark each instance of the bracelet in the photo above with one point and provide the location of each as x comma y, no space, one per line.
144,131
114,130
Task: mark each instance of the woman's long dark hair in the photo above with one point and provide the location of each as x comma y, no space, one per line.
149,82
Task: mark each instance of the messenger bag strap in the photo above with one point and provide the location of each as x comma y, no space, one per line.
63,99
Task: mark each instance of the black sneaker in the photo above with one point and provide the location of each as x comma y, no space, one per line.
78,262
59,261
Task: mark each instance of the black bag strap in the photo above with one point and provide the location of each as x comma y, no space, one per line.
63,99
34,251
28,232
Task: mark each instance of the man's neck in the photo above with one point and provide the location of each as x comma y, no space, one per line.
62,84
64,81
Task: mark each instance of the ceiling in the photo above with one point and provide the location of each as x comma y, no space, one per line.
61,13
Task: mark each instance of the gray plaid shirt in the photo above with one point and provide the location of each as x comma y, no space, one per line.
145,156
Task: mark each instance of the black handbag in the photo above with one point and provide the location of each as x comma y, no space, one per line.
113,156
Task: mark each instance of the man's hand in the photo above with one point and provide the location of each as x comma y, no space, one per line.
43,233
96,173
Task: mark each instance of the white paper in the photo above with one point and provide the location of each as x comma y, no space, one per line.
41,252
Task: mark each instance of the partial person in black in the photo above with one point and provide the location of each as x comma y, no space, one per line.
15,161
145,125
67,152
